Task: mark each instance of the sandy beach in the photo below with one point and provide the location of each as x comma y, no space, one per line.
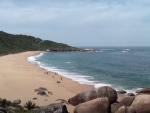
19,78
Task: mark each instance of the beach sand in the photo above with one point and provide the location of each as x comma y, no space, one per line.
19,78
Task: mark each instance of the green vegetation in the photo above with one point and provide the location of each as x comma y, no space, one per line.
10,43
30,105
15,108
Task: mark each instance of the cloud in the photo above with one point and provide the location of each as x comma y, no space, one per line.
98,22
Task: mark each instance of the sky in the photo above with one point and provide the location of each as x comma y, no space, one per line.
79,22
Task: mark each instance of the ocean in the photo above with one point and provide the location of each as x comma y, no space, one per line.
123,68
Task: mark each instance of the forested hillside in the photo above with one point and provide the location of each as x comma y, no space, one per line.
10,43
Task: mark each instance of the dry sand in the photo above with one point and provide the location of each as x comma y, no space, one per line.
18,79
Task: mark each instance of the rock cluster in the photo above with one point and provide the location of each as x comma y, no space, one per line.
43,91
52,108
98,100
104,100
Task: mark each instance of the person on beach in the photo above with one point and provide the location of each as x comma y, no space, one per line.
61,78
58,81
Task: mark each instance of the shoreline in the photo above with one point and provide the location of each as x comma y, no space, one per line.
91,86
19,78
83,86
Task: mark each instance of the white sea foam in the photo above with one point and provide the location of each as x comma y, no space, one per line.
82,79
124,51
100,85
107,49
32,59
68,62
99,51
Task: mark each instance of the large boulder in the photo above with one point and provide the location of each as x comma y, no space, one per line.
144,90
114,107
18,101
98,105
52,108
108,92
126,101
141,104
83,97
125,109
105,91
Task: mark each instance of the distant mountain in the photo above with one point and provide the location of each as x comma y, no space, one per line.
10,43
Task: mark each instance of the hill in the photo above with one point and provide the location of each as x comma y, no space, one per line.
10,43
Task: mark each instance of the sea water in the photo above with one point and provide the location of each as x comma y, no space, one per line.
123,68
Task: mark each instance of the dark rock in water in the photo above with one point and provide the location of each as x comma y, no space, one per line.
105,91
41,93
114,107
141,104
144,90
125,109
98,105
121,92
2,110
130,94
126,101
18,101
52,108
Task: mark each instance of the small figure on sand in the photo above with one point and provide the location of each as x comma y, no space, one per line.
58,81
61,78
45,72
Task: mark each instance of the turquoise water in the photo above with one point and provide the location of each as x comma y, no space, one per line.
126,68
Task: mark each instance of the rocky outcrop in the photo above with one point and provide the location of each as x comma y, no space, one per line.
141,104
144,90
108,92
83,97
98,105
114,107
52,108
42,93
126,101
125,109
105,91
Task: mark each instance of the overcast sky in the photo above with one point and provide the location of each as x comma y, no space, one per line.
79,22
